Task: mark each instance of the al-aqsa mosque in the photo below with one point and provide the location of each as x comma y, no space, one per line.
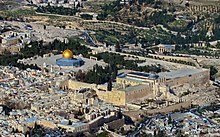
69,60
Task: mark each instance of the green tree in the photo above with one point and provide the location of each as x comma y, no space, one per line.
169,119
213,72
103,134
109,87
70,122
86,16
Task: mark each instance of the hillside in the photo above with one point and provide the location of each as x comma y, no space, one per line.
175,15
10,4
195,2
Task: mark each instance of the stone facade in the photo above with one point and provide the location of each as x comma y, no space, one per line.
166,48
115,96
135,85
198,78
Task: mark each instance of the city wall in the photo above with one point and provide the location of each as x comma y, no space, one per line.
197,78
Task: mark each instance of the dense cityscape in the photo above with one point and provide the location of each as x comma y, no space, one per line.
109,68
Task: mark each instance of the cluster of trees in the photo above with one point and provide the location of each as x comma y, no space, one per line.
78,48
157,17
190,37
186,49
86,16
160,17
38,48
172,60
155,3
7,59
218,45
216,32
195,37
114,37
213,72
151,19
133,36
16,14
198,52
110,10
121,63
182,62
103,134
99,75
57,10
179,28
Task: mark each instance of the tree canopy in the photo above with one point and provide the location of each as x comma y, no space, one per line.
57,10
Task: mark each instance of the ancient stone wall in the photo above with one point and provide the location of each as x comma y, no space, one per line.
116,97
116,124
203,8
198,78
138,93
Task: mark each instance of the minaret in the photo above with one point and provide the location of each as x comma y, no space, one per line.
51,68
44,65
124,85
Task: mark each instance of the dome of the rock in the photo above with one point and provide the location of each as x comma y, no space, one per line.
67,54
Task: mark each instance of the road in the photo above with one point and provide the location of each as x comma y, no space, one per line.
92,43
141,126
88,38
96,21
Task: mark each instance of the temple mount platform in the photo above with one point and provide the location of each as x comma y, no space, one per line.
51,60
69,60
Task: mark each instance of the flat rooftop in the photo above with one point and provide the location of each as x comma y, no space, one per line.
140,76
166,46
179,73
51,60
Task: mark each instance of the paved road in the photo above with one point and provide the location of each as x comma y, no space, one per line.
89,39
141,126
126,54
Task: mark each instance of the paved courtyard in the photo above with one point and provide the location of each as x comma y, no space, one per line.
51,61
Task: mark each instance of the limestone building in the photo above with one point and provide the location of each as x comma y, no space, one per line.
132,86
166,48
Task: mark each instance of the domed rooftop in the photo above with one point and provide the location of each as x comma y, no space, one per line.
67,54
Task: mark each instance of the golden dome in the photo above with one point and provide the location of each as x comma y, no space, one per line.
67,54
